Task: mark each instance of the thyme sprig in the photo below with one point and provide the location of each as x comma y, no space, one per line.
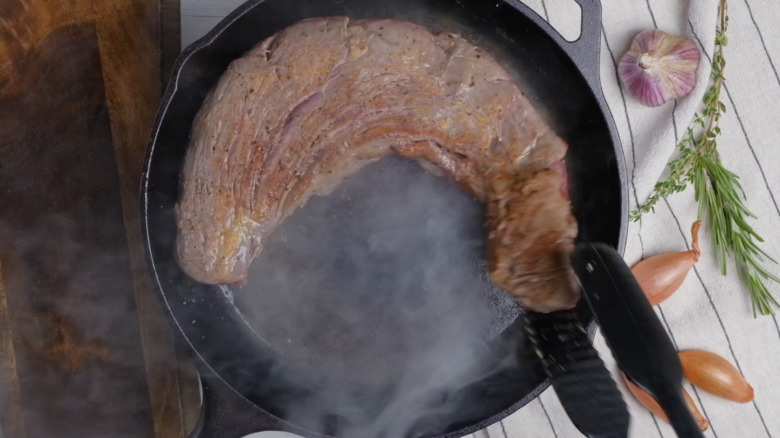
717,190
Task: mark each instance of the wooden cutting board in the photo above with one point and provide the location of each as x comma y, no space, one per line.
85,350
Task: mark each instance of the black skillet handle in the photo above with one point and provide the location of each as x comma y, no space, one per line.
226,414
585,50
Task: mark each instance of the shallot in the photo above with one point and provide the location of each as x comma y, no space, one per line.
715,375
651,405
661,275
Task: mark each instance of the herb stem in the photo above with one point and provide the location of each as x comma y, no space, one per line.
717,190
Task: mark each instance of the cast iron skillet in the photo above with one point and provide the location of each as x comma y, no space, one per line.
249,380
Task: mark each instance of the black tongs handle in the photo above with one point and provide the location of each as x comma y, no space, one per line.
633,331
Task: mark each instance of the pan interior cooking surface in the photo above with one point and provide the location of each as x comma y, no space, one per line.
381,286
357,284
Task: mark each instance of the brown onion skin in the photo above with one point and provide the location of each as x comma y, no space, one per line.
661,275
651,405
715,375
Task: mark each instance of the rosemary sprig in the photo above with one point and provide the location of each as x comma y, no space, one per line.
717,190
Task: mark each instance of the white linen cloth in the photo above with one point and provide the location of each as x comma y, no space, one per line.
709,312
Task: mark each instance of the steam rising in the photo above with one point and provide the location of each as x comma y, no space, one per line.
380,292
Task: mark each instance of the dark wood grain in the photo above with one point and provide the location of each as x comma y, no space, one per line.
84,339
189,382
63,223
130,36
11,418
170,37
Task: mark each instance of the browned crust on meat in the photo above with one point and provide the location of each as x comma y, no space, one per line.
531,237
315,103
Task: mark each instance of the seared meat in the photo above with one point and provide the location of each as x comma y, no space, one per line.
531,237
316,102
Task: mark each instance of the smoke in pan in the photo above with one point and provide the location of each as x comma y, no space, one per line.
380,293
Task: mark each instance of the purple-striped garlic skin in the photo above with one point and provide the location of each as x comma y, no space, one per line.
659,67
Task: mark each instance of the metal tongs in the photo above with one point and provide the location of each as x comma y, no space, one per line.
633,332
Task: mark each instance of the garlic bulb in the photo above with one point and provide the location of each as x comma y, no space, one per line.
659,67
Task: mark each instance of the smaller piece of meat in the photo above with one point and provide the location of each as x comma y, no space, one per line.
531,237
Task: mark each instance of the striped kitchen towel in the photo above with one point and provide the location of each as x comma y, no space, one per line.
709,312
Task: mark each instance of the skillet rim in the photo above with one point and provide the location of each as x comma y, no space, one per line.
575,55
